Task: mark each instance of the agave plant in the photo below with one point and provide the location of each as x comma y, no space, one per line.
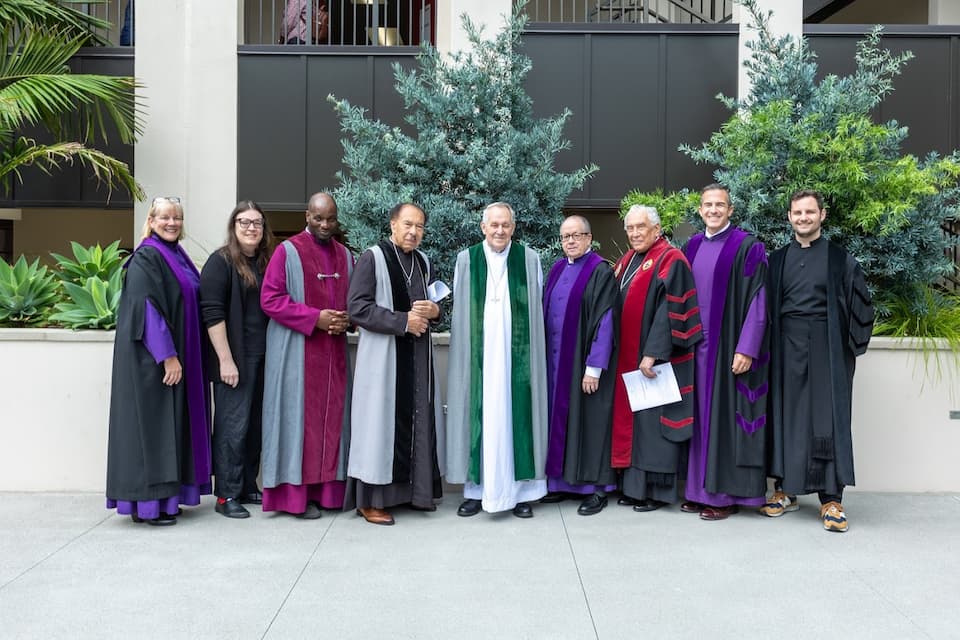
91,306
27,293
90,262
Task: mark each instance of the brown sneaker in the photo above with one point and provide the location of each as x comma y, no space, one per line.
833,517
779,504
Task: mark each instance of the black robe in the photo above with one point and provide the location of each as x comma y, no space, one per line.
149,452
734,407
826,462
586,458
669,330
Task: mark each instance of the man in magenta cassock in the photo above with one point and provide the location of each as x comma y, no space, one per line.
307,379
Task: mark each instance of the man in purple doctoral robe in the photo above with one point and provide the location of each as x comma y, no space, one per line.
579,305
306,380
726,461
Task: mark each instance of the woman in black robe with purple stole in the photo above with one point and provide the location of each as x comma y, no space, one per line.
158,453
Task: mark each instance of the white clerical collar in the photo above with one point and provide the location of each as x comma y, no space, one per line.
499,254
572,260
709,235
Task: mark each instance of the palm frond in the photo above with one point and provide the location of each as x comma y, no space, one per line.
107,170
25,15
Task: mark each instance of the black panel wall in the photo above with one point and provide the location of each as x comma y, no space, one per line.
636,94
289,135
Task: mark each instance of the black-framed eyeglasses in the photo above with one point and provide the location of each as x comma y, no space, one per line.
246,223
578,236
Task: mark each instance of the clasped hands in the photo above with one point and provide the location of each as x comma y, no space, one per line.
419,317
333,322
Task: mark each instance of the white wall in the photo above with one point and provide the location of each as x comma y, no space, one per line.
56,387
944,12
787,19
489,13
186,55
56,404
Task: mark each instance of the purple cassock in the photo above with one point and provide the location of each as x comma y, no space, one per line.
726,463
564,294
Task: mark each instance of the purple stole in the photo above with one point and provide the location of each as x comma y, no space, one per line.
560,402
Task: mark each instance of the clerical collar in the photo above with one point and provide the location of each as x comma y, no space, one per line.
576,260
493,252
709,236
813,243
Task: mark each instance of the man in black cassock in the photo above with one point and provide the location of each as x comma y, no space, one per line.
821,320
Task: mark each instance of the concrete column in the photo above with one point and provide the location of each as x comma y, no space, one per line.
450,34
186,56
944,12
787,19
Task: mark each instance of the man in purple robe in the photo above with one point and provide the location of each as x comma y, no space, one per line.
578,305
726,461
306,378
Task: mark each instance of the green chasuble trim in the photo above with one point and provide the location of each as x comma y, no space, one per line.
520,387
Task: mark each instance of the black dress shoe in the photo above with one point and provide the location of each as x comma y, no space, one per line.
627,501
254,497
164,520
649,504
415,507
592,505
469,508
232,508
553,497
523,510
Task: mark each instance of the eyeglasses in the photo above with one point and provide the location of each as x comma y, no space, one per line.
574,236
173,199
246,223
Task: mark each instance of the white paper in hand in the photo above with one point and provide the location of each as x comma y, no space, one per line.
437,291
645,392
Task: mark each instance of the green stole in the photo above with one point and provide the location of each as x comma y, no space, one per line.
522,401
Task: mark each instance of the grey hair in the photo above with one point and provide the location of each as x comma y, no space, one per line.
652,216
486,217
582,220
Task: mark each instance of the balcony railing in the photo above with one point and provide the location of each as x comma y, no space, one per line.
631,11
338,22
119,13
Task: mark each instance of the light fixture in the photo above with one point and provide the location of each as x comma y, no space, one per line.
386,36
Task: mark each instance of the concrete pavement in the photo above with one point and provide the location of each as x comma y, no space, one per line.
71,569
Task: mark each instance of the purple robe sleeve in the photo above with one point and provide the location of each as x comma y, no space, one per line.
599,356
276,302
156,334
751,333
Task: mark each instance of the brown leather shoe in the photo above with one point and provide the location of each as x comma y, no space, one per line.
718,513
375,516
692,507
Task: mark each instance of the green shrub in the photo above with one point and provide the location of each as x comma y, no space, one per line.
27,293
90,262
92,306
799,129
673,207
474,140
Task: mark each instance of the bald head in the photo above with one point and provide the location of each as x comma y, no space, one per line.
322,216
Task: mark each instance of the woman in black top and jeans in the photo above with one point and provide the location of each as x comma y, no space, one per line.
230,306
